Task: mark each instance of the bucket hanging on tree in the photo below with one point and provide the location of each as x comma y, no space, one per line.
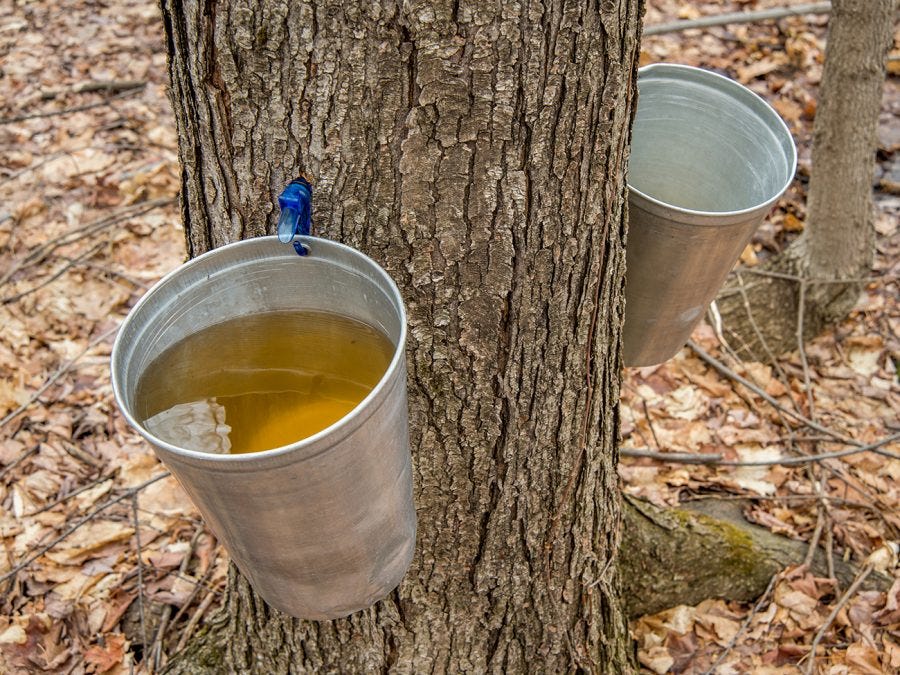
709,159
321,526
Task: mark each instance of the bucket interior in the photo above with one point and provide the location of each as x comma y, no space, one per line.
702,142
252,277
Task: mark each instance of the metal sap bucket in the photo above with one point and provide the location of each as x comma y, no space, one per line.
709,158
325,526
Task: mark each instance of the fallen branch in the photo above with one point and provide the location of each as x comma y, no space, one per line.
39,253
140,565
738,17
73,493
194,620
719,460
691,552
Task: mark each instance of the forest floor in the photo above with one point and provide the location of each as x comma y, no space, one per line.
106,566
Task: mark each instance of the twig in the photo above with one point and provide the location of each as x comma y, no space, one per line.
18,460
45,160
845,598
829,555
738,17
674,457
762,338
111,272
815,280
195,619
155,650
77,524
63,369
140,566
807,382
717,459
725,370
66,111
98,85
198,586
90,253
650,422
73,493
39,253
753,612
817,534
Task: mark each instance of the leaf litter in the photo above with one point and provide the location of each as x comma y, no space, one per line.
89,180
88,221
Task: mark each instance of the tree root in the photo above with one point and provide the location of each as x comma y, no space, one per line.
681,556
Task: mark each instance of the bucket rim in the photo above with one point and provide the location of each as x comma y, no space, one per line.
738,91
365,407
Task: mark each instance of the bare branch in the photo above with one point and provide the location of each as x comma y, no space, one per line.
738,17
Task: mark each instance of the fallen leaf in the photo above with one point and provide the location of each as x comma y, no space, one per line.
106,655
90,537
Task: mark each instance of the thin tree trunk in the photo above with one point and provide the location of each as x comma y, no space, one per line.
476,151
839,241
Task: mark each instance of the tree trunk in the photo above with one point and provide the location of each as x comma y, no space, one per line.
839,240
476,151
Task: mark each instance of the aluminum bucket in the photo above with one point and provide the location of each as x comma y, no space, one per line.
709,158
323,527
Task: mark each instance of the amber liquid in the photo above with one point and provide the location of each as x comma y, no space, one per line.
261,381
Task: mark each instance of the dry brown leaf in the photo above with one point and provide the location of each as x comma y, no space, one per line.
656,659
90,537
792,223
107,655
864,659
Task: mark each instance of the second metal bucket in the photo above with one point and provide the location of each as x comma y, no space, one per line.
325,526
709,158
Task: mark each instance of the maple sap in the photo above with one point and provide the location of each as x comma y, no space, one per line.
261,381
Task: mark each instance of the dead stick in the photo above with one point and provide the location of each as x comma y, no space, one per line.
81,521
18,460
39,253
845,598
66,367
90,253
140,566
99,85
738,17
817,534
807,380
753,612
716,459
156,649
66,497
199,585
195,619
728,372
782,376
66,111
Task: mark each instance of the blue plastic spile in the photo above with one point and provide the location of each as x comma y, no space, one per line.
295,202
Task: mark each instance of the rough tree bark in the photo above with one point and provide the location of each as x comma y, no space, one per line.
838,243
476,151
